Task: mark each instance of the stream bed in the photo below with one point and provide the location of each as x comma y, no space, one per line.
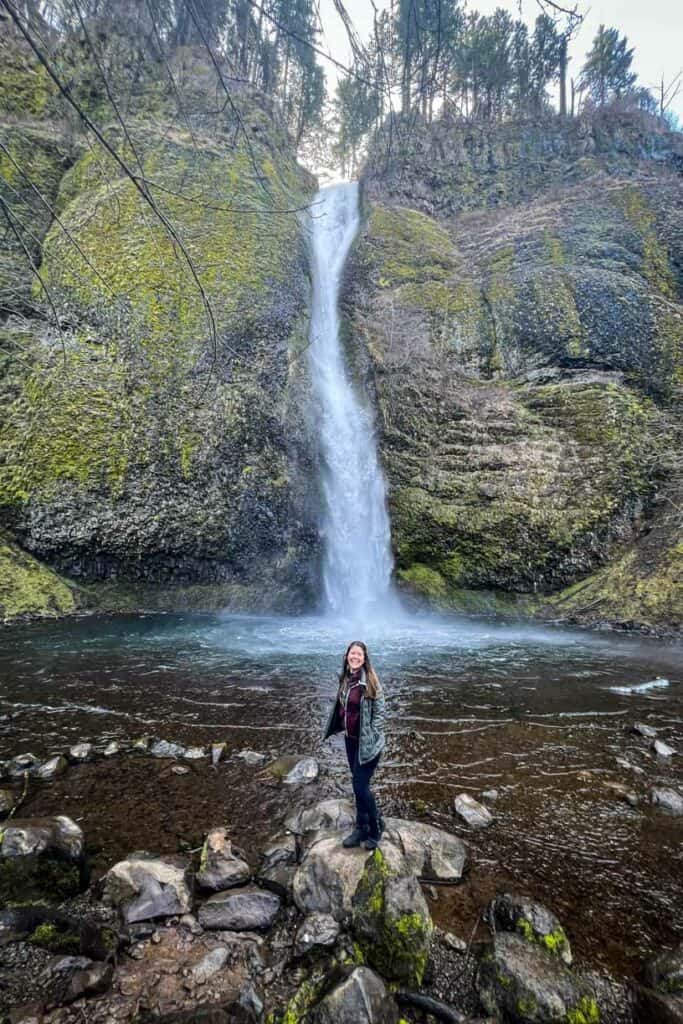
542,716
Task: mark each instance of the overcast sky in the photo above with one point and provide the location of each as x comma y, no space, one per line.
654,27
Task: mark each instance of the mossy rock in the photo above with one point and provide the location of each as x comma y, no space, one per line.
29,589
31,879
56,938
390,920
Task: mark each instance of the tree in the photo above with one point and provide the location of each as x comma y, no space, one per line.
606,74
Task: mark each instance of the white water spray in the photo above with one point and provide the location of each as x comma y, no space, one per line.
357,559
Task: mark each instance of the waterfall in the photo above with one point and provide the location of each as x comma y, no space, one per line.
357,560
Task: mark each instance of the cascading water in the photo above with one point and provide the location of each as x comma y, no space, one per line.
357,558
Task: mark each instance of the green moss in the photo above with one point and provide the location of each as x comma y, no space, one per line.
408,247
29,879
587,1012
425,581
28,588
526,1006
657,268
49,936
25,85
555,942
525,928
305,997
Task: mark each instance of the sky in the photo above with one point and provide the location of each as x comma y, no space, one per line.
654,27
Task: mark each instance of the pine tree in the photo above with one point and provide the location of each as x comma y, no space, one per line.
606,74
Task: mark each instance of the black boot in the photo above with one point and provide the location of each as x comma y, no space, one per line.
375,829
359,834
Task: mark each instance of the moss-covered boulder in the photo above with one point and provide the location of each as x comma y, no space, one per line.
534,922
41,859
29,589
526,355
524,984
160,437
390,919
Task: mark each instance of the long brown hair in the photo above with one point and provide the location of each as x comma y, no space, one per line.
373,687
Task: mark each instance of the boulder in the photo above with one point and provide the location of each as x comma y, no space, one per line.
315,930
22,763
390,920
217,751
524,984
652,1006
305,770
665,972
362,998
194,753
532,921
471,811
327,815
112,749
72,977
431,853
668,800
51,769
81,752
143,887
41,858
251,757
327,878
162,748
7,801
249,909
221,868
646,731
279,865
662,749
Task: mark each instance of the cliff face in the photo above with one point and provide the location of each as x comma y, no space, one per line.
515,297
160,436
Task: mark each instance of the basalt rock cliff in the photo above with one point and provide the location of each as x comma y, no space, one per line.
514,301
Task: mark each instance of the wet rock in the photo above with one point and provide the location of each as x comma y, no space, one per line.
112,749
305,770
622,791
327,815
623,763
162,748
217,752
454,942
531,920
327,878
41,858
652,1006
143,887
250,1000
194,753
71,977
525,984
7,801
221,867
279,865
283,766
22,763
362,998
141,744
210,964
471,811
644,730
390,919
662,749
431,853
665,972
180,769
315,930
490,794
668,800
244,910
251,757
81,752
51,769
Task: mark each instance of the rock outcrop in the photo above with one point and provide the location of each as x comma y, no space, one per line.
523,340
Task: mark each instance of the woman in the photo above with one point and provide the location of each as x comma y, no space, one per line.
360,712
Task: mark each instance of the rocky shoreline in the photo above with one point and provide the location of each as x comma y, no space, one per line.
284,927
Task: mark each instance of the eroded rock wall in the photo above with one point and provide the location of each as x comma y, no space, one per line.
524,343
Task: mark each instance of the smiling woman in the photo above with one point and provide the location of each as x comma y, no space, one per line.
359,711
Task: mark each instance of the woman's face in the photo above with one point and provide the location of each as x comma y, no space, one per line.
355,658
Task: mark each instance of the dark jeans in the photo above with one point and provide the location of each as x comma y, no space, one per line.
366,808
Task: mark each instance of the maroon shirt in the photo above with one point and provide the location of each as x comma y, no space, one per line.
349,714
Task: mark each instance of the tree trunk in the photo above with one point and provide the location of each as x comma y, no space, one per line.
563,77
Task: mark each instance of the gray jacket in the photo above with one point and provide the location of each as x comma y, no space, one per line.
373,714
